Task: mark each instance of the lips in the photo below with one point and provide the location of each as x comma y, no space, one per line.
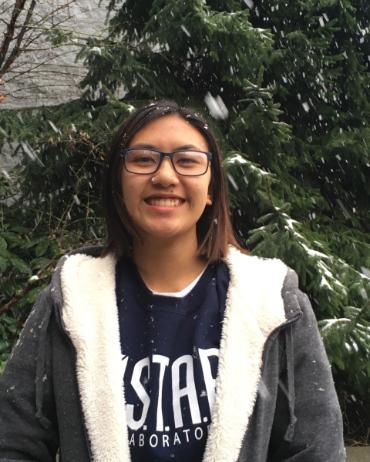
165,201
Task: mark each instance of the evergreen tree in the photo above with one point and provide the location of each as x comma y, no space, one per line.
287,86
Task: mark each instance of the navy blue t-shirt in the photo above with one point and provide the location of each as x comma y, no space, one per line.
170,355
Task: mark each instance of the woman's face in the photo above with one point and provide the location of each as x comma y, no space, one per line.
165,204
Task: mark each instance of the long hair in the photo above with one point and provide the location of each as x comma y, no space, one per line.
214,228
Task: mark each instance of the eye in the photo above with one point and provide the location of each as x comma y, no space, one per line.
188,159
142,157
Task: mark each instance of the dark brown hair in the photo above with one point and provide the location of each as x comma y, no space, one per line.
214,228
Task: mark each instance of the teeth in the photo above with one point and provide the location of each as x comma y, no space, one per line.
164,202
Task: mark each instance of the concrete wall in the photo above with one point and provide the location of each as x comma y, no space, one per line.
55,74
358,454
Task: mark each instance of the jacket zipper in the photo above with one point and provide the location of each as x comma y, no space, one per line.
277,329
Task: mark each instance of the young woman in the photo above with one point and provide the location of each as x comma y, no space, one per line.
171,343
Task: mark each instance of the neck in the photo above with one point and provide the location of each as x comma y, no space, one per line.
168,266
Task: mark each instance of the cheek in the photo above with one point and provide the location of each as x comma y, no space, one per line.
129,192
202,193
207,190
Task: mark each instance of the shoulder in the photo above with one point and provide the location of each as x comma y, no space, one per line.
83,290
257,272
265,277
83,253
81,268
239,262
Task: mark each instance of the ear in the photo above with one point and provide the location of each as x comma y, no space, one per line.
209,200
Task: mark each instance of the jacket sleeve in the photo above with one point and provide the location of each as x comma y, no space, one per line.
27,415
308,420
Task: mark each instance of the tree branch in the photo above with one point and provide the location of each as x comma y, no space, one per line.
9,34
15,52
36,66
7,306
52,13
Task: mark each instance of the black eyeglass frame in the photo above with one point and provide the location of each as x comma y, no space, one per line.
162,155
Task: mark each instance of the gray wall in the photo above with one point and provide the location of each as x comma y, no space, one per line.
55,75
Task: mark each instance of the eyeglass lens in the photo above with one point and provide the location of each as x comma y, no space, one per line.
185,162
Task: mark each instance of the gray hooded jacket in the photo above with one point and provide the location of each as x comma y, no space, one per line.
274,398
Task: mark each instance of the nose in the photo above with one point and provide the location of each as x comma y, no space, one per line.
166,174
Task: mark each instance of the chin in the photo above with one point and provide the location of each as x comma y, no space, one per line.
162,234
167,233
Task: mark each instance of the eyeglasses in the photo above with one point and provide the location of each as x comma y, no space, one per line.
187,162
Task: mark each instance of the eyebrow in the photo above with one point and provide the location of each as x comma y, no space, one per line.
150,146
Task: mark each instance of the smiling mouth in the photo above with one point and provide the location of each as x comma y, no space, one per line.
164,202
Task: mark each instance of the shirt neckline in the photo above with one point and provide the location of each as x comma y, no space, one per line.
151,301
183,292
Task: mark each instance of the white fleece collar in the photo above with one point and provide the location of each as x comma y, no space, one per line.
254,308
90,316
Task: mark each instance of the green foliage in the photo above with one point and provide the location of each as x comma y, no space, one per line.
142,53
54,193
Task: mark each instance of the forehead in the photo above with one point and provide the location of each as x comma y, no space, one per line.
168,132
